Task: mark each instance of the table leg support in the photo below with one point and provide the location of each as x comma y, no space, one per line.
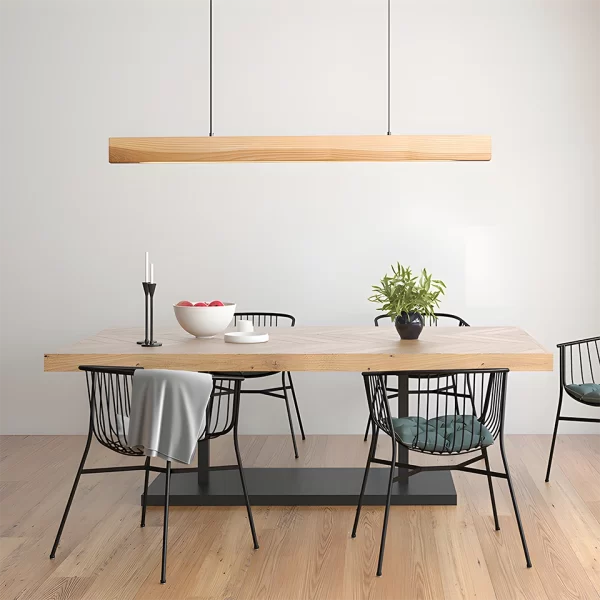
402,412
203,461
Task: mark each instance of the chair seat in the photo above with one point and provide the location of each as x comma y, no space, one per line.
447,433
586,392
250,374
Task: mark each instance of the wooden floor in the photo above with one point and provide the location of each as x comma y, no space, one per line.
437,553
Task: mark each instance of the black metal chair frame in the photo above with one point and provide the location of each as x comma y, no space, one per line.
588,353
269,319
109,398
433,321
492,402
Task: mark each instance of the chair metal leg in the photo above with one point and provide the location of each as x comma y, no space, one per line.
145,495
72,494
289,414
489,478
296,405
455,390
241,470
554,436
372,449
514,501
367,429
387,509
163,576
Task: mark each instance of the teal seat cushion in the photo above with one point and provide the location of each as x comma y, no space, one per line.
588,392
448,433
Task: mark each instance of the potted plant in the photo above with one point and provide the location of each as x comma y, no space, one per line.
407,299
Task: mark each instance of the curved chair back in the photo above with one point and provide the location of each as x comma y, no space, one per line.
223,408
432,321
456,411
265,319
109,394
580,361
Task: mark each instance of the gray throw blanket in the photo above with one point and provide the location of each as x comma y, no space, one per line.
168,412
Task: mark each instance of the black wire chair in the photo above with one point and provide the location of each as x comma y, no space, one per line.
432,322
441,430
109,395
267,319
580,379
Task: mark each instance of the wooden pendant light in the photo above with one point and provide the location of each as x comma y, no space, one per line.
339,148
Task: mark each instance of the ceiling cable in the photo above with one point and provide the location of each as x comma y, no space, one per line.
210,78
389,129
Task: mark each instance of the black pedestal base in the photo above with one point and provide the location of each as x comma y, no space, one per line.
303,487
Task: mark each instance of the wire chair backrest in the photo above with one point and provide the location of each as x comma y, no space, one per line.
451,406
432,321
223,409
580,361
109,394
265,319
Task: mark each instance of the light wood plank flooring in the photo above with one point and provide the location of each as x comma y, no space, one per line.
437,553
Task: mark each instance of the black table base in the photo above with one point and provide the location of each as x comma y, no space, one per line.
303,487
206,486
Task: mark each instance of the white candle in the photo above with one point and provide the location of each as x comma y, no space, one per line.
152,273
147,272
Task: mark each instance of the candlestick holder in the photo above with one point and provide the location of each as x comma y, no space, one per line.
149,341
146,296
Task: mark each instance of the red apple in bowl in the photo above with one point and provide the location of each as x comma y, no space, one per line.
216,303
200,304
184,303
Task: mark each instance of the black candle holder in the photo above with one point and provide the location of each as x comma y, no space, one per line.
149,341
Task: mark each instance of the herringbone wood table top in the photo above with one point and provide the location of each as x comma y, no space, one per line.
339,348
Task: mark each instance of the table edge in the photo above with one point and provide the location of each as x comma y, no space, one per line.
529,362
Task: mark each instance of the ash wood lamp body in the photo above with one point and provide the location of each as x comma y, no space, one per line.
350,349
365,148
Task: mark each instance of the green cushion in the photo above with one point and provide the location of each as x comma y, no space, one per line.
448,433
588,392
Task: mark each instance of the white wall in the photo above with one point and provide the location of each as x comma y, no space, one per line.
515,239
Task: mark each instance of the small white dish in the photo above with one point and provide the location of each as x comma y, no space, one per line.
246,337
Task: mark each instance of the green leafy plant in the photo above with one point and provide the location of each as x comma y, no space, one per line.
403,292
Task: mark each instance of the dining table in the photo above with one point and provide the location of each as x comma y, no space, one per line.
352,348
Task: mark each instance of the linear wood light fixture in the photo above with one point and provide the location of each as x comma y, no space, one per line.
338,148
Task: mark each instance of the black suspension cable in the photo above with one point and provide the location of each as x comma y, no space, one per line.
210,59
389,130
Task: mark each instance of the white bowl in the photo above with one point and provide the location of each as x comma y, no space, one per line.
204,321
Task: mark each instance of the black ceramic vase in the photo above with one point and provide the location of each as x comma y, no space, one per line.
409,325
